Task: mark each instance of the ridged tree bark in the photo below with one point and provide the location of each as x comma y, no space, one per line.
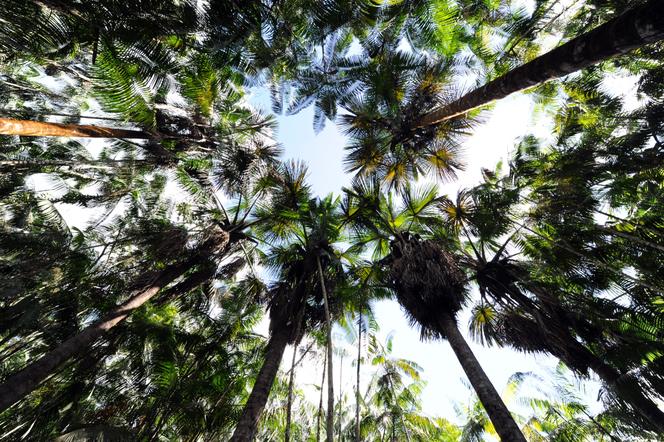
22,383
248,423
639,26
329,424
500,416
28,128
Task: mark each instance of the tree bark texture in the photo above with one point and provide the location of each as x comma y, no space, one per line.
638,26
248,423
28,128
500,416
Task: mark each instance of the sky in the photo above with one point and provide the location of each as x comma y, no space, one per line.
446,385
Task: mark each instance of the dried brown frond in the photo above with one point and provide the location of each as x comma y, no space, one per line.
427,281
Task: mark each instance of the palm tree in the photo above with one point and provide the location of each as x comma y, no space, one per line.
302,232
637,27
395,87
328,332
240,172
363,286
524,305
432,300
163,391
425,278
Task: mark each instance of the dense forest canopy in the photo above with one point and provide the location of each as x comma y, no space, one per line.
150,222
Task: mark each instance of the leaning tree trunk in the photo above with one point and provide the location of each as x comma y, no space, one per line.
20,384
622,385
320,401
632,394
29,128
289,405
357,381
248,423
500,416
330,382
341,369
637,27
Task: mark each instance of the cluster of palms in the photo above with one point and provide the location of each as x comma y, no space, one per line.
141,323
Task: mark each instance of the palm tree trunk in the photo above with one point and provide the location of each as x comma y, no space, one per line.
357,381
20,384
320,402
632,394
248,422
28,128
639,26
341,367
330,378
289,405
500,416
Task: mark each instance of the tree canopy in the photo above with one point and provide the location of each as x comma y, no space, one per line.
160,257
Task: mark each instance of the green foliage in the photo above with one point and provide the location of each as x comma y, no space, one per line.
565,246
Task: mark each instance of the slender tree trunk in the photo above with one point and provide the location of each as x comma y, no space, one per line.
639,26
248,422
28,128
289,405
330,378
320,402
638,239
357,381
20,384
632,394
624,386
500,416
341,367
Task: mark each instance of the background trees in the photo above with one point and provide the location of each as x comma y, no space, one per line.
564,247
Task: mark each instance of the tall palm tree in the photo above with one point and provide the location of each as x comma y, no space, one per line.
523,306
637,27
395,87
161,392
240,173
426,278
302,232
